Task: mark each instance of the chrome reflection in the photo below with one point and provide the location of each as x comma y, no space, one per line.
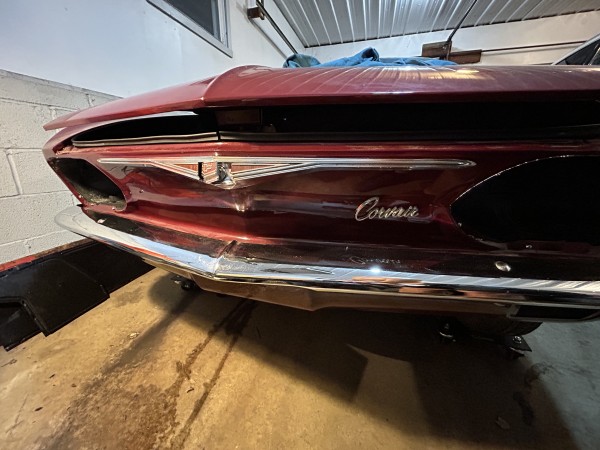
227,170
217,260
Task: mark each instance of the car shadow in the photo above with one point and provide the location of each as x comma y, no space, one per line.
396,368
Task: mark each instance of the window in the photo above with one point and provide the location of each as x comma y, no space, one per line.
206,18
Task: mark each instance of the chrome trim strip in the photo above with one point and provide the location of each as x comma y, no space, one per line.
281,165
146,140
220,263
378,163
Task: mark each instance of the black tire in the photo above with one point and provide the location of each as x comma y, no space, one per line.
188,285
498,326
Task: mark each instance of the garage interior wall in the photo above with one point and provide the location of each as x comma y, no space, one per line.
125,48
30,193
567,28
105,48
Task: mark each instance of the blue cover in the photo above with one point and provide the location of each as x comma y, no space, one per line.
369,57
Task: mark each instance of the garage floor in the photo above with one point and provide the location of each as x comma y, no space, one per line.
157,366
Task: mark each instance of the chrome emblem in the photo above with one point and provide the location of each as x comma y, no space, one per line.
213,172
226,171
208,171
369,210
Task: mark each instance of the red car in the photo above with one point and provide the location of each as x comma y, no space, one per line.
460,191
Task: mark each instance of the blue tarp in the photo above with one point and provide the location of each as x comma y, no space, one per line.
369,57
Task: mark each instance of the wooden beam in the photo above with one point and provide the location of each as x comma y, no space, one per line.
440,50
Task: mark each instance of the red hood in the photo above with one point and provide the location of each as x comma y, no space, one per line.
255,85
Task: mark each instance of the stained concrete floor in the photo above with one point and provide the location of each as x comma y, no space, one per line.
157,367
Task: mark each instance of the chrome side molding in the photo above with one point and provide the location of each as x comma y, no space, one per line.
225,171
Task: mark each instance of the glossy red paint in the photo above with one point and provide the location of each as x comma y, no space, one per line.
320,205
255,85
308,217
317,206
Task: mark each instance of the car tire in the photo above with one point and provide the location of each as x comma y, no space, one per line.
498,326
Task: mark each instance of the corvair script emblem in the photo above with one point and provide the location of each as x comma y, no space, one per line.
369,210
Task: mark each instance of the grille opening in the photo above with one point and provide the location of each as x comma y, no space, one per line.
556,199
94,186
557,313
199,126
431,116
402,121
475,120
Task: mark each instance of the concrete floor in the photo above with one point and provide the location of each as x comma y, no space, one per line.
155,366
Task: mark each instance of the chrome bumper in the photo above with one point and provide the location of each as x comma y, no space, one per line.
229,262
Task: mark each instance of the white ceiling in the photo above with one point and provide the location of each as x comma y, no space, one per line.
326,22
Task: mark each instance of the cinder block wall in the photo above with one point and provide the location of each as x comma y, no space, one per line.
30,193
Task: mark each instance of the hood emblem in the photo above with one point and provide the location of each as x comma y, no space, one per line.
369,210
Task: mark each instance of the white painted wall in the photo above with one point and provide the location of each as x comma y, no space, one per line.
30,193
124,47
573,27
